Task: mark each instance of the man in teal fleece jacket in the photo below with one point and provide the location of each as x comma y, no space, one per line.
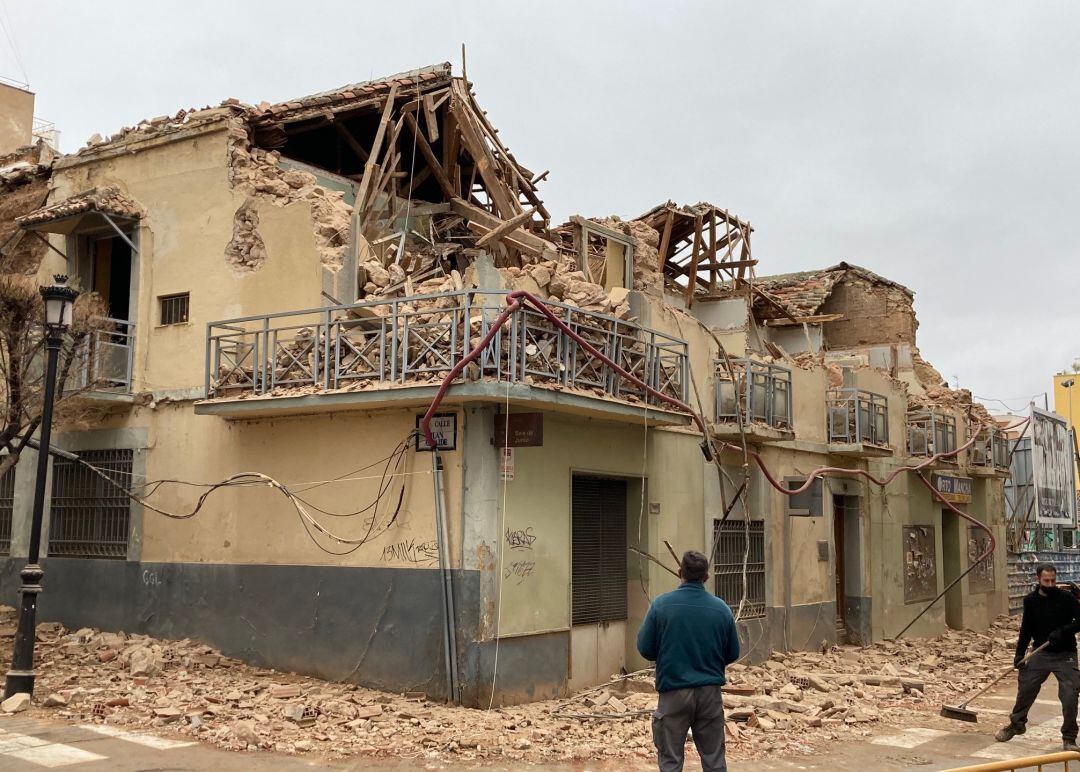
690,634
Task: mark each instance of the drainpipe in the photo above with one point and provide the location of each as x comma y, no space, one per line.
787,580
449,636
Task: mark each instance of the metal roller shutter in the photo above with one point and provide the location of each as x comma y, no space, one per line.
598,550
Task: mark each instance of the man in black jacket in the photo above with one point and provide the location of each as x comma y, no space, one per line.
1050,615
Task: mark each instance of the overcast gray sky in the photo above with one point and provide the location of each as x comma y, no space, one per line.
935,143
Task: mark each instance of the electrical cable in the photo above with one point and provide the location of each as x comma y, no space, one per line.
310,524
502,524
11,42
516,299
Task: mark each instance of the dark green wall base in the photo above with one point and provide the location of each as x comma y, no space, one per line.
380,627
532,667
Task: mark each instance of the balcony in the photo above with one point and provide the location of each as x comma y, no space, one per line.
929,433
857,423
759,394
102,369
396,352
989,454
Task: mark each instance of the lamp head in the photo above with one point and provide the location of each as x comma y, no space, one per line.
59,301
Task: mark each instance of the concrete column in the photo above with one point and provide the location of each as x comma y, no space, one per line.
22,512
479,560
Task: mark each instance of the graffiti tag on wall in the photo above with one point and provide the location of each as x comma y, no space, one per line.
411,551
521,539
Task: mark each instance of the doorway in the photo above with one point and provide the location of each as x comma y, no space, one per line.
111,275
839,515
598,594
848,579
951,567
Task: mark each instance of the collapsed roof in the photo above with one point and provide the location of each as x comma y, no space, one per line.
430,183
804,292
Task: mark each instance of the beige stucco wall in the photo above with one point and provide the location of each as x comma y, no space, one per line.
538,499
189,205
16,118
257,524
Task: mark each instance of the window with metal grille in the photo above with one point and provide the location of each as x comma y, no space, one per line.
731,539
598,550
174,308
7,507
89,517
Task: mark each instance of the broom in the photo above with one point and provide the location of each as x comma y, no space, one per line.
961,713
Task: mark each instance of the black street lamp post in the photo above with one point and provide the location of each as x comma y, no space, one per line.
59,299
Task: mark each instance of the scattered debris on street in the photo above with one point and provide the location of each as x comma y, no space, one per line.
791,704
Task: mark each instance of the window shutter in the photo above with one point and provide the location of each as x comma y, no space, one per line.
598,550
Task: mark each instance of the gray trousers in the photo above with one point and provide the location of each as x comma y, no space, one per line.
700,709
1031,678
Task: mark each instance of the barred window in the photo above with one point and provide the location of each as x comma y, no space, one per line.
7,507
89,517
730,539
174,308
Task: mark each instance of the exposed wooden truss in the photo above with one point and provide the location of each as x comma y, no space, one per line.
703,249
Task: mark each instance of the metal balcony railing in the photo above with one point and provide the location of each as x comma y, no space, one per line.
929,432
991,449
855,416
418,339
762,392
104,361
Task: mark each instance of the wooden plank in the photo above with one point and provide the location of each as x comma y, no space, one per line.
475,214
373,155
430,119
451,150
774,303
505,205
422,210
603,230
508,240
729,264
665,240
817,319
695,255
497,233
712,251
746,257
350,140
429,157
419,179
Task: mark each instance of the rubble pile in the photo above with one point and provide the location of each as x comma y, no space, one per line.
793,703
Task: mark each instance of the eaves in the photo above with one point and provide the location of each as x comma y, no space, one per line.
128,146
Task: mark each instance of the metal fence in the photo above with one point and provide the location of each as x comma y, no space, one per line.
929,432
419,339
104,360
990,449
88,516
855,416
731,538
761,391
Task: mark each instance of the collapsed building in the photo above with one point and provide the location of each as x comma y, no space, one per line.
288,284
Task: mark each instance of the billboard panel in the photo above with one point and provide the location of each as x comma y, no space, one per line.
1053,469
